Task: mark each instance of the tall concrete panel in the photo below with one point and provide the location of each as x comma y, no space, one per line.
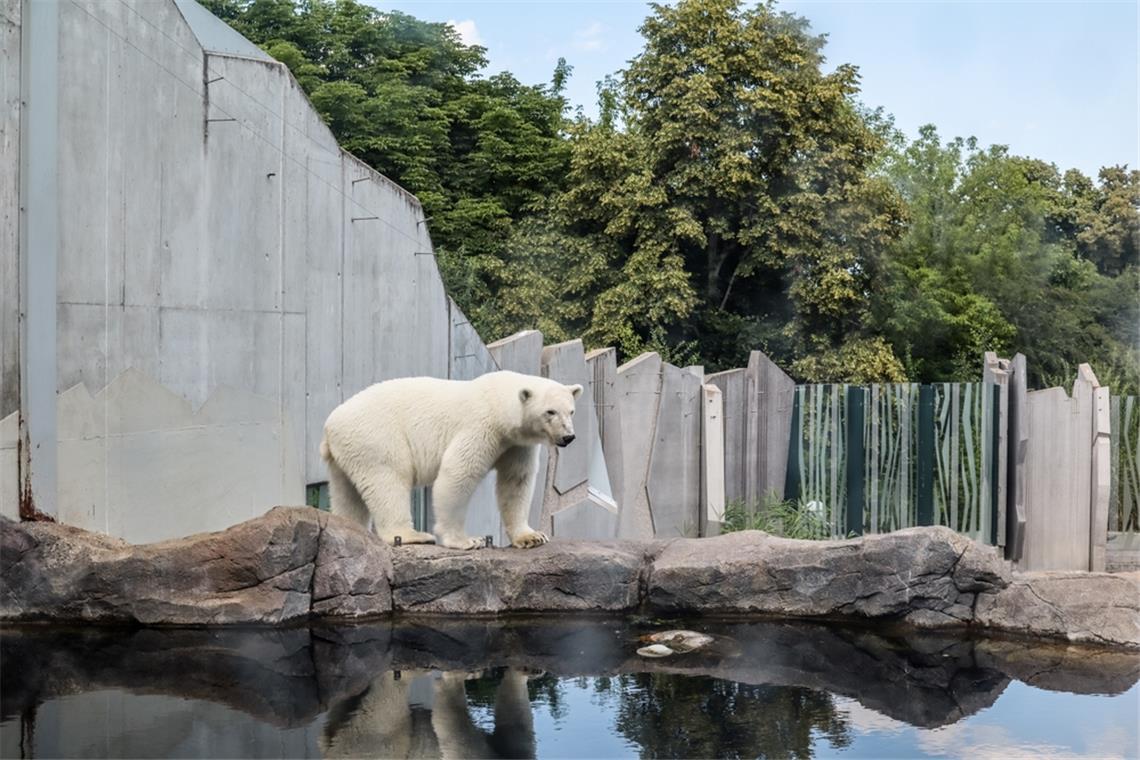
674,485
732,388
712,461
1018,455
639,396
603,368
1101,476
566,363
578,500
1058,478
768,429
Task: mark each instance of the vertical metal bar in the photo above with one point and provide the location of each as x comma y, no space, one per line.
795,444
856,461
926,455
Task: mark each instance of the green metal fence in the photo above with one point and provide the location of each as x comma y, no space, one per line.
1124,496
883,457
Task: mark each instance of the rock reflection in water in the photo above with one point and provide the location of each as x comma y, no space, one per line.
471,688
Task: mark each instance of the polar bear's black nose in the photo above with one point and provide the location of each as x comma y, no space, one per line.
566,439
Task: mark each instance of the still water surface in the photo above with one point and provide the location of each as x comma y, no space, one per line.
571,687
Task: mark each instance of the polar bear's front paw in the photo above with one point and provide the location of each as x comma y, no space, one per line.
462,542
529,539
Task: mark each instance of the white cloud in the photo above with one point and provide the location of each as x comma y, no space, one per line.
468,32
590,38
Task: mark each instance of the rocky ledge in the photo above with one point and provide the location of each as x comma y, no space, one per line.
298,563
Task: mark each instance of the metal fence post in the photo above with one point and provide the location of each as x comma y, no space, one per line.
855,460
926,455
792,478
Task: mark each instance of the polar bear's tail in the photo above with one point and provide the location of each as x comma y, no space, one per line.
325,453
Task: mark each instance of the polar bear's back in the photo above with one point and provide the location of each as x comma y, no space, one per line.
407,423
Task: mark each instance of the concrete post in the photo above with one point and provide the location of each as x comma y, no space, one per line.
1101,476
1017,450
39,251
639,394
712,461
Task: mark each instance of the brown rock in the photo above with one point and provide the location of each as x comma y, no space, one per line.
1076,606
264,570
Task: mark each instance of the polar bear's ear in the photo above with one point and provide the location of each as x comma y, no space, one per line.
576,390
524,395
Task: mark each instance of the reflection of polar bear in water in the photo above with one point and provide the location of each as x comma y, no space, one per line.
381,721
447,434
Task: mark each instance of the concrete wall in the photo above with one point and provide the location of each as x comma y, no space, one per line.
215,236
226,275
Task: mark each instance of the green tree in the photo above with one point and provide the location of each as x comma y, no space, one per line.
729,174
995,259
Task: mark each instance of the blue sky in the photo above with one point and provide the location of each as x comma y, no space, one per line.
1053,80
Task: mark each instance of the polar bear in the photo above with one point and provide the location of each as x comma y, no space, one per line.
398,434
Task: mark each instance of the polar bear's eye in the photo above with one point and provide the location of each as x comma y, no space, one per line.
550,412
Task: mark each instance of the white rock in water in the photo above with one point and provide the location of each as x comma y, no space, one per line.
655,650
682,641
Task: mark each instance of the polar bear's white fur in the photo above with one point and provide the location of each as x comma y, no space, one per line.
448,434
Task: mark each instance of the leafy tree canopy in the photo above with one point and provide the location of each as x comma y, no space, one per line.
732,194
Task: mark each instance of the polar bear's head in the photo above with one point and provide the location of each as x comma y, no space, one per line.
549,410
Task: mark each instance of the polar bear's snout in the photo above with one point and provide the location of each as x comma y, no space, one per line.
565,440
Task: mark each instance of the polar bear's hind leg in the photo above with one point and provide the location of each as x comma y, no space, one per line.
388,497
343,497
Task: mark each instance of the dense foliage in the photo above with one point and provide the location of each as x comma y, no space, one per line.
732,195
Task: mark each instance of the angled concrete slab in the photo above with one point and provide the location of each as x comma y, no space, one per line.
566,363
769,427
639,393
603,366
675,463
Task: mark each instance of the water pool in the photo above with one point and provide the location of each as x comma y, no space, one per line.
563,687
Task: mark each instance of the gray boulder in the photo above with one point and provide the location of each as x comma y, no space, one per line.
559,576
930,576
1094,607
271,569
